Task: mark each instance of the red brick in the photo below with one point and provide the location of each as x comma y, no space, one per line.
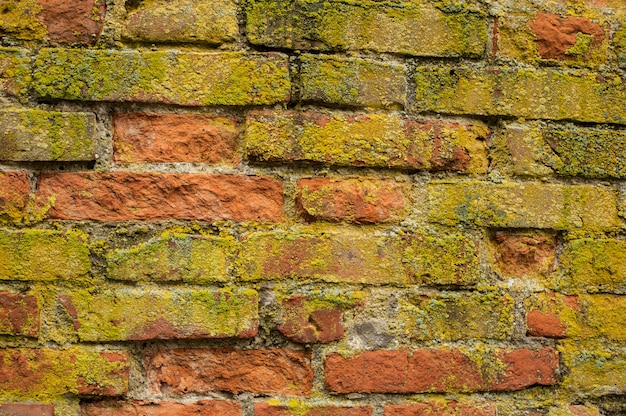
439,370
520,253
140,137
124,196
545,324
308,321
49,372
14,190
19,314
197,370
555,35
452,408
355,200
26,409
145,408
73,21
264,409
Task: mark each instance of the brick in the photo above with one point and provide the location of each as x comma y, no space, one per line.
525,253
173,258
187,371
439,370
541,37
361,201
26,409
303,409
124,196
43,255
19,314
408,29
458,316
577,316
593,265
595,367
529,93
370,140
183,78
523,205
619,45
353,82
187,21
308,320
47,372
131,314
19,20
159,138
76,21
15,72
353,257
442,260
451,408
14,195
164,408
40,135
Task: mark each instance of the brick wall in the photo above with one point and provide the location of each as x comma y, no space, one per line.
306,207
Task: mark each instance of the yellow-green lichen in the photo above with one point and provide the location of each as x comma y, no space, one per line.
15,72
18,19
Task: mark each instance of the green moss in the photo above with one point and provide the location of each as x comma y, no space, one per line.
135,314
174,257
172,77
43,255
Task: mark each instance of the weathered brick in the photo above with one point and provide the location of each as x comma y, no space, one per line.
361,201
595,367
536,149
523,205
173,258
185,371
344,256
458,316
577,316
43,255
619,45
138,314
47,372
371,140
165,408
302,409
26,409
440,370
212,22
75,21
594,265
184,78
529,93
307,319
15,72
123,196
143,137
19,314
442,260
14,195
546,36
451,408
409,28
40,135
525,253
352,81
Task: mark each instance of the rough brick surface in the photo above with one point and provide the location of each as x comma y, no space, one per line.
181,371
137,314
372,140
359,201
596,367
15,79
14,191
46,372
26,409
264,409
518,254
164,408
19,314
127,196
451,408
159,138
184,78
36,135
72,21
